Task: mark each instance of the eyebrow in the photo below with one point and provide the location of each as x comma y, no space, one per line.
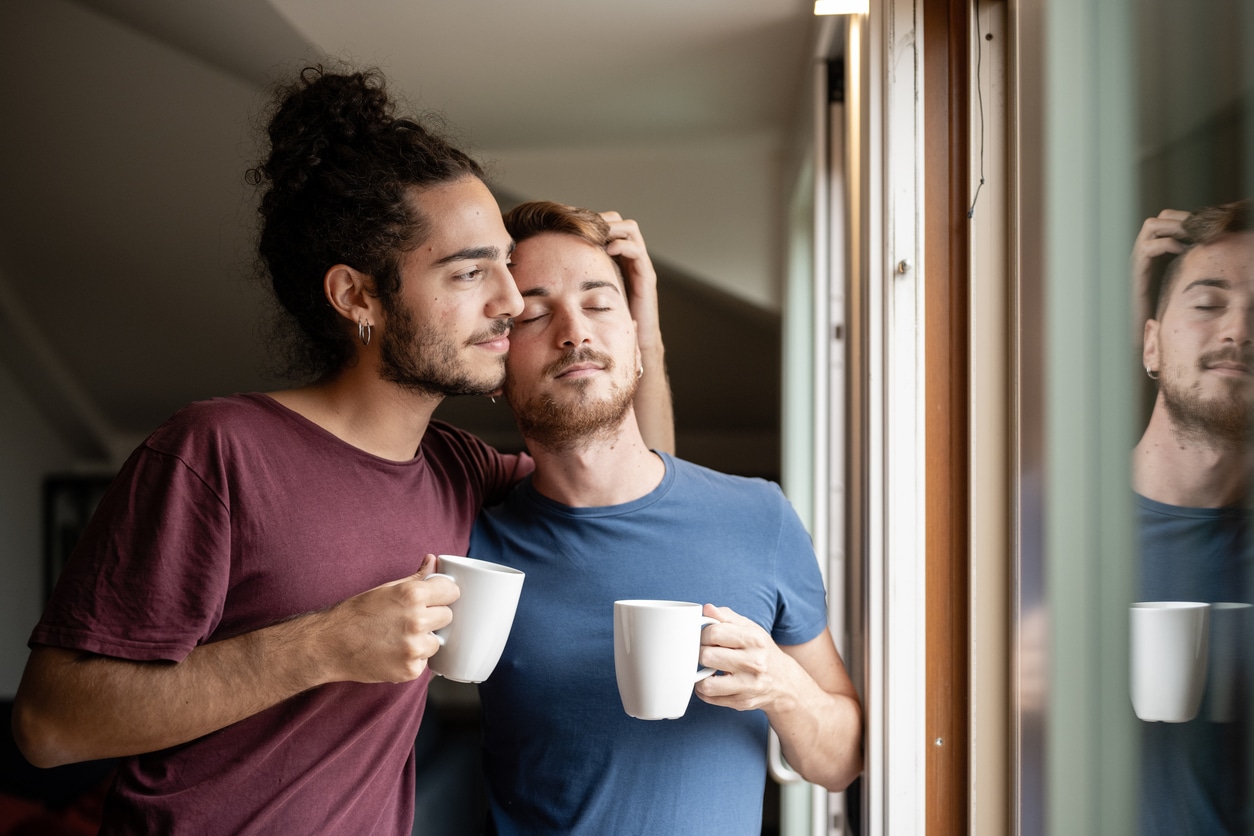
1222,284
596,284
590,284
474,253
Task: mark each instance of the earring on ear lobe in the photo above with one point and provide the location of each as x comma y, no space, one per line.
1153,375
364,330
639,371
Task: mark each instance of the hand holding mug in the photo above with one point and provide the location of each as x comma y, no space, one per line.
475,637
385,634
746,656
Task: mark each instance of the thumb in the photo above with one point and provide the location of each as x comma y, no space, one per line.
428,567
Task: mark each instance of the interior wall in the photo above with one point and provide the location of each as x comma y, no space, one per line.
31,451
718,213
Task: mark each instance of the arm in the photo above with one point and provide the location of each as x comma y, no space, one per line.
72,706
803,689
653,407
1158,236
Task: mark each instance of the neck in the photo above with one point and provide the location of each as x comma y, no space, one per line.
602,470
1177,468
362,409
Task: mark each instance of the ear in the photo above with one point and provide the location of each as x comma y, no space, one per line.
350,293
1150,357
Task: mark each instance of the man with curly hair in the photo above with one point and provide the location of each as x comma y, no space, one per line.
247,621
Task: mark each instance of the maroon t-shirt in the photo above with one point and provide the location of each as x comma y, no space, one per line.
235,514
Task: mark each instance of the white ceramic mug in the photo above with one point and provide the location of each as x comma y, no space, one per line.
473,641
656,647
1227,678
1168,659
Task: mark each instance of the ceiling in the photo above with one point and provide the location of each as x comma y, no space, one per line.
126,227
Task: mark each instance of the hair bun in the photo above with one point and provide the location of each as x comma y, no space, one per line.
323,119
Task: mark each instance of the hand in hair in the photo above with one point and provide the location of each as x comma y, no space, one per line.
1159,236
627,247
654,407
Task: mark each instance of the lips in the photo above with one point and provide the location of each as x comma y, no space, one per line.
495,338
1231,367
579,363
495,344
575,368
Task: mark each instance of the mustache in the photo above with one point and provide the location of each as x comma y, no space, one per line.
578,355
1230,354
498,328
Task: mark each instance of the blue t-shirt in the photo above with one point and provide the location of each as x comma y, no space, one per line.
1196,777
560,753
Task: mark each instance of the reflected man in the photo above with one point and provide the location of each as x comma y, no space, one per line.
1191,475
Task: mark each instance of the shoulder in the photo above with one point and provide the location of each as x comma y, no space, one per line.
748,489
460,455
448,447
217,419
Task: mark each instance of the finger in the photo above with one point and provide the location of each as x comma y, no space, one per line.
428,566
728,616
626,230
435,591
611,216
437,617
1163,246
715,687
1160,227
1174,214
726,660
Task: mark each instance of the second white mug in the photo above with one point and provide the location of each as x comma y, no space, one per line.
656,648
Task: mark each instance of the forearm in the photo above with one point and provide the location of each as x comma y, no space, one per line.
820,733
73,707
654,409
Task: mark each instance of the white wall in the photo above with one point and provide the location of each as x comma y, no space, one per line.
709,208
31,451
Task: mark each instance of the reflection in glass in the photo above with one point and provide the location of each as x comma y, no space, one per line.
1193,288
1193,276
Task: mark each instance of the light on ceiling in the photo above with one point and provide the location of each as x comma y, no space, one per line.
841,7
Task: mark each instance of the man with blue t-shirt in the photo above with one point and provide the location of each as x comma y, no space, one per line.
604,518
1190,472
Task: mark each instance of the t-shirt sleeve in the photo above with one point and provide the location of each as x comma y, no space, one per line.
492,472
148,578
801,607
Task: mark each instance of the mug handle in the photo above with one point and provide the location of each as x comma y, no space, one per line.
704,672
436,633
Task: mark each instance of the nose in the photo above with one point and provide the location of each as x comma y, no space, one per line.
506,302
572,328
1237,327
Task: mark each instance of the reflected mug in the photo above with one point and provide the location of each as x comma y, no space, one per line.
1227,676
1169,642
656,648
472,643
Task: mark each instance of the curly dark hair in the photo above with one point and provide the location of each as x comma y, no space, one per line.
336,180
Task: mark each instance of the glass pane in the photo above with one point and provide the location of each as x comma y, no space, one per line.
1191,652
